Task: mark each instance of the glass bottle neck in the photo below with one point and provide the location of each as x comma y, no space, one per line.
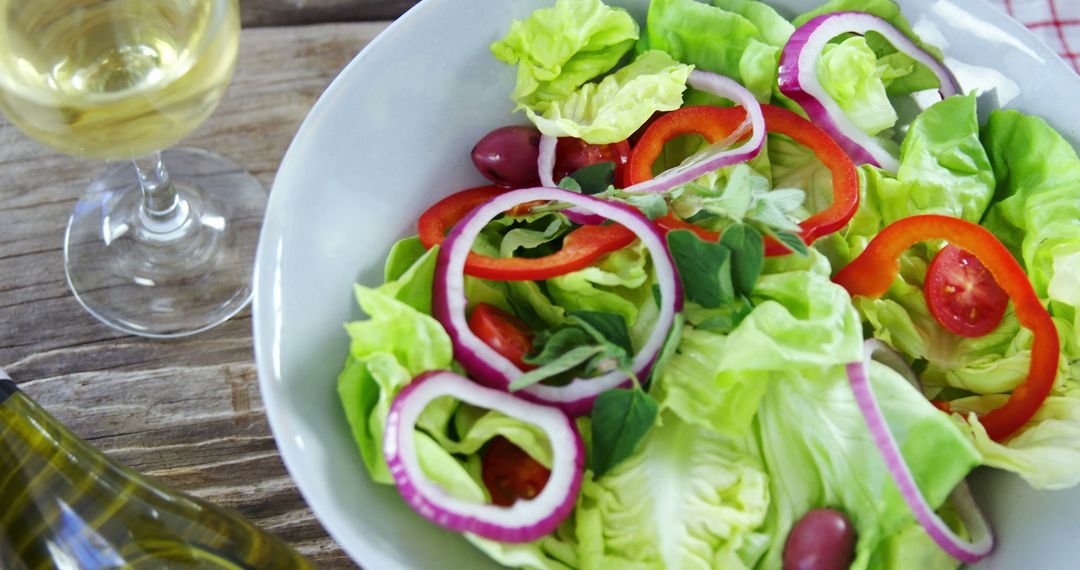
67,505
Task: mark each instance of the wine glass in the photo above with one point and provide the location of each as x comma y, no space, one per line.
149,250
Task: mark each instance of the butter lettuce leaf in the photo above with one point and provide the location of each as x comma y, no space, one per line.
1045,452
690,498
614,284
903,75
801,322
944,170
741,40
850,74
560,48
818,452
611,110
387,350
1036,209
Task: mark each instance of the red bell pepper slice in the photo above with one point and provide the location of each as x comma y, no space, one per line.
716,123
874,270
581,247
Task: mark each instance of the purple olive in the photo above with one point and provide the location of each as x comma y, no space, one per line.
507,156
823,539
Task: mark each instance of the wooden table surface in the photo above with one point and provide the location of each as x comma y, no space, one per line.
185,411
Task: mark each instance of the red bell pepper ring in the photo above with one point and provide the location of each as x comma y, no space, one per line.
874,270
581,247
716,123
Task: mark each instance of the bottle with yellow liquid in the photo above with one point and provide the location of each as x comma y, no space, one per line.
64,505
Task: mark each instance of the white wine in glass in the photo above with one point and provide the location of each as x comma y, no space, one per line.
151,250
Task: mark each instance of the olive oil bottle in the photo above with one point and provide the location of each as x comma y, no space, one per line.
65,505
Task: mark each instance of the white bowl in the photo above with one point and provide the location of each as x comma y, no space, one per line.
393,133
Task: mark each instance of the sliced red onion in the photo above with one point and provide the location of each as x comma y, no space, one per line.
524,521
546,163
966,509
719,154
546,160
491,368
798,79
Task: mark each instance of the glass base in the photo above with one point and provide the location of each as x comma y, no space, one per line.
147,278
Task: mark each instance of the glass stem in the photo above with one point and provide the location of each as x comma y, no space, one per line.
162,210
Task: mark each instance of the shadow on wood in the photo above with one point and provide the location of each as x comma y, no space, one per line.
298,12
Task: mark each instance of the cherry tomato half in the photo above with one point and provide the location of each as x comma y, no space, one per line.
503,332
962,294
572,154
511,474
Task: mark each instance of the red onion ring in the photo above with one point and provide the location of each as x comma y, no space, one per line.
717,155
967,510
545,162
798,79
491,368
524,521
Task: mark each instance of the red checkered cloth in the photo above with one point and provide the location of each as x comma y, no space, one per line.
1057,22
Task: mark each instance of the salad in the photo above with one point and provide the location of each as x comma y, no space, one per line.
726,303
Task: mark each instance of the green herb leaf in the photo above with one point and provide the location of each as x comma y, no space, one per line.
568,183
726,320
671,344
652,204
620,419
747,256
702,216
595,178
550,345
791,241
573,358
705,268
784,199
604,327
770,215
528,238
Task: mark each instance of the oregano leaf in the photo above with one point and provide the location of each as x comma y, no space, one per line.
620,420
747,256
704,267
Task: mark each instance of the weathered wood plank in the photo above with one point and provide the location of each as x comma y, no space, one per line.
297,12
186,411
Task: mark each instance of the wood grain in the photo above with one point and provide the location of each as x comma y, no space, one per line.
298,12
186,411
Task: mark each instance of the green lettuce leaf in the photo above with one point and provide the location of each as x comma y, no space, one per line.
394,344
611,110
803,422
943,170
1036,210
560,48
1045,452
850,74
690,498
617,283
413,285
725,39
403,255
943,165
773,28
801,322
912,547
